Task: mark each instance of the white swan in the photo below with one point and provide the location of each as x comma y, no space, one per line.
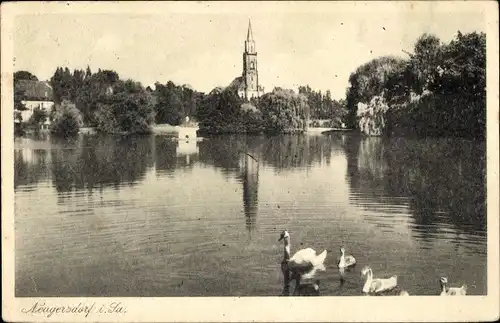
451,291
345,262
304,263
377,285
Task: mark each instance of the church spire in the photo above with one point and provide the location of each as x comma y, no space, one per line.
249,33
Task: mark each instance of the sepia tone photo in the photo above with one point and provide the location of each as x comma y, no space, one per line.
228,154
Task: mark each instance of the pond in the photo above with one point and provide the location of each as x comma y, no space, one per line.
155,216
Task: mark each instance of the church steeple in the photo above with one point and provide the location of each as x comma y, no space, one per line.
249,43
249,33
250,87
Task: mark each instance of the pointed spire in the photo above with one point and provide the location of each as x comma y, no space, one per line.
249,33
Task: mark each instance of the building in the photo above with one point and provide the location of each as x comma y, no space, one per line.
248,83
35,94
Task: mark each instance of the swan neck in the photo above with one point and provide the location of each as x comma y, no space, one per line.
369,275
286,250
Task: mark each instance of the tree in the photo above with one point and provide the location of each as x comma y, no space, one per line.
438,91
94,89
24,75
18,96
38,117
66,119
283,111
323,106
128,110
220,111
174,103
169,106
426,62
370,80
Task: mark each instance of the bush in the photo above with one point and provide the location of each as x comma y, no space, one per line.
66,120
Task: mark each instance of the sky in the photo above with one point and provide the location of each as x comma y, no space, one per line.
318,45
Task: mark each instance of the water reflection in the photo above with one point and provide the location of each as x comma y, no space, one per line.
442,180
282,153
165,155
172,154
250,179
179,211
301,151
187,152
224,152
30,166
97,162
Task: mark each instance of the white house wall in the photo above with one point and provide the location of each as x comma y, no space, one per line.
32,105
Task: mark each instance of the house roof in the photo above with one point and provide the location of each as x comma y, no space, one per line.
34,90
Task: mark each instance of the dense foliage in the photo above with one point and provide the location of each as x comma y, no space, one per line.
220,112
93,93
38,117
439,90
174,103
323,107
280,111
66,119
84,88
284,111
128,109
24,75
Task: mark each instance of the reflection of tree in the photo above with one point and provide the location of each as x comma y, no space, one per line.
30,166
101,161
443,178
224,151
165,155
297,151
284,152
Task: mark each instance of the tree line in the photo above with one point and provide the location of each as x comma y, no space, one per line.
323,107
279,111
439,90
109,104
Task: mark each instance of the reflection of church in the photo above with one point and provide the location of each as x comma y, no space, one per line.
250,178
248,84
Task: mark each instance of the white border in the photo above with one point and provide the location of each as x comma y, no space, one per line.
246,309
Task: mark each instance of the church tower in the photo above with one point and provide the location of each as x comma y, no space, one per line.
250,83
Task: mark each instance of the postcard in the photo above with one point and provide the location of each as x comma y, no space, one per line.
250,161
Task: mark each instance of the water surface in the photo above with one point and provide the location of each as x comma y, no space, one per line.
155,216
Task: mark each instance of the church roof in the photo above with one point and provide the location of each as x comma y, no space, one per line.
238,83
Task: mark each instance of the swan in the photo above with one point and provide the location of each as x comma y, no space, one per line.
451,291
377,285
345,262
404,293
304,263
